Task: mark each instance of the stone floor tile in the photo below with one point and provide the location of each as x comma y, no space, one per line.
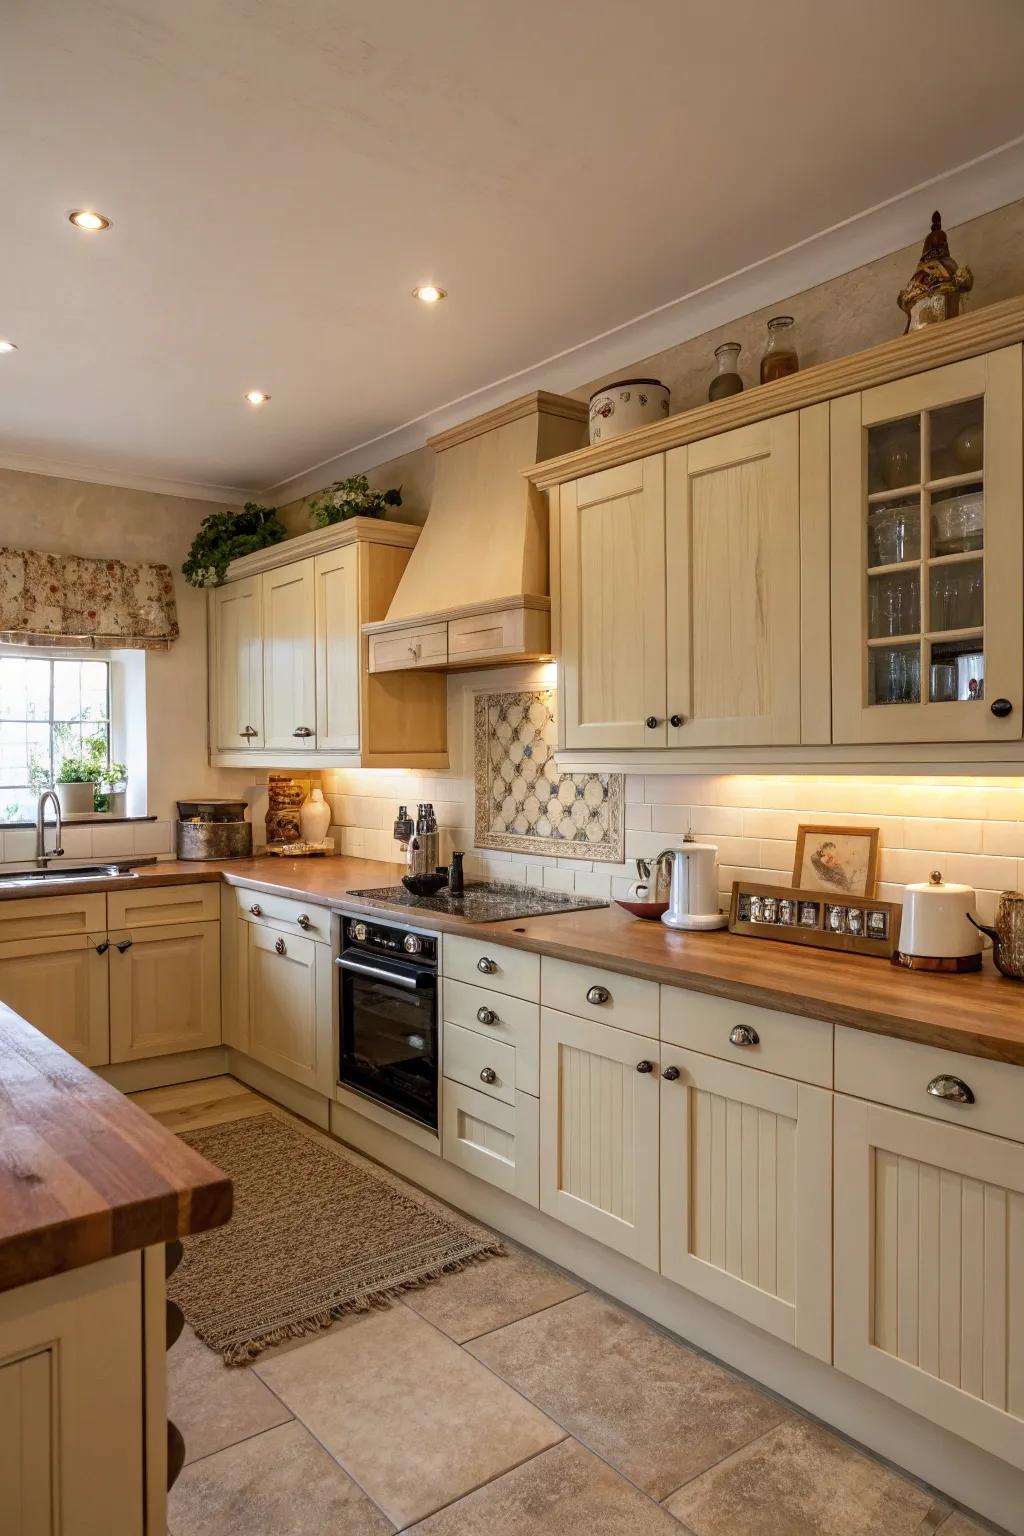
414,1418
566,1491
799,1480
213,1404
656,1410
280,1483
483,1297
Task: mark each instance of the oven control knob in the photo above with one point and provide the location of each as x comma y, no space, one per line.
412,944
360,932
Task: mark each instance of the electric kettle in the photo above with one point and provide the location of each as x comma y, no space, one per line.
693,887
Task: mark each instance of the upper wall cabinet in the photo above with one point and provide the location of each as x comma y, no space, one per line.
289,680
927,556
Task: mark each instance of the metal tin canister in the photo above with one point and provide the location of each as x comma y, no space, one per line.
214,839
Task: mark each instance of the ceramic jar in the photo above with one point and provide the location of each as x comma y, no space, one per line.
621,407
314,817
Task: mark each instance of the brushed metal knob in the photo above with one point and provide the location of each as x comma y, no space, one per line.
125,944
744,1034
281,947
953,1089
486,965
488,1075
1001,708
651,722
598,995
302,731
304,921
677,720
670,1074
645,1066
487,1016
102,946
256,909
360,931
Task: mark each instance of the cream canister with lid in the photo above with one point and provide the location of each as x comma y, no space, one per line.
937,931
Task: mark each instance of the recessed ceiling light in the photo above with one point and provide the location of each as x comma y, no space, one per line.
429,293
257,397
8,346
88,219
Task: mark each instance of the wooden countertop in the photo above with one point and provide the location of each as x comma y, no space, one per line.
980,1014
84,1173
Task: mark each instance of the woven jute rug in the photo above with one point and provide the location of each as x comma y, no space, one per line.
317,1232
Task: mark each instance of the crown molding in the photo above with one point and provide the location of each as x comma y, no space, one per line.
90,475
978,186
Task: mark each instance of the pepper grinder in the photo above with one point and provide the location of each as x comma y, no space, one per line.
456,877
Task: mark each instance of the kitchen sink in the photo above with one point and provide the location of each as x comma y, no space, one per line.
73,872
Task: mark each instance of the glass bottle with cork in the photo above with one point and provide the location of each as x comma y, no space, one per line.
780,355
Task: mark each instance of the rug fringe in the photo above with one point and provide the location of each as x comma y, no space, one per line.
317,1322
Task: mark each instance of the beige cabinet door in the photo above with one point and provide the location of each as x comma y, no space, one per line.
927,552
611,603
60,986
28,1449
732,541
929,1264
599,1132
288,987
746,1194
164,990
338,646
236,666
289,657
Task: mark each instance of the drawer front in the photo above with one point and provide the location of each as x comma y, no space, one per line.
898,1072
486,1065
590,993
484,634
157,905
514,971
37,917
421,645
284,913
751,1037
509,1020
494,1141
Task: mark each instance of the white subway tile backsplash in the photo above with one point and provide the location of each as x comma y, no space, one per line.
559,880
151,837
638,816
76,842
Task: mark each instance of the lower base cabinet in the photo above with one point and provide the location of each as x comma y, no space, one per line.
60,985
746,1194
286,986
599,1132
929,1292
164,990
494,1140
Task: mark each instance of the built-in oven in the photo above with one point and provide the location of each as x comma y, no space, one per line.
389,1051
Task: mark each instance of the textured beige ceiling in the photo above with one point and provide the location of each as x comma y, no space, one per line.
282,172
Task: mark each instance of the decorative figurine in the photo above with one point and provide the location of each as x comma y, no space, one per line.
933,292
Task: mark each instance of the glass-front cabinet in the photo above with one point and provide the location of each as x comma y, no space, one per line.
927,556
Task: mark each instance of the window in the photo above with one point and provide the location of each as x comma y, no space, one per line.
52,709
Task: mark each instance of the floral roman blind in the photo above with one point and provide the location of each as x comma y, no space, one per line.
67,600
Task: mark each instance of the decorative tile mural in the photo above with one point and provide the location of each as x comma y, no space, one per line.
523,803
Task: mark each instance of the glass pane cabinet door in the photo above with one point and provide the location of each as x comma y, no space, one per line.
927,556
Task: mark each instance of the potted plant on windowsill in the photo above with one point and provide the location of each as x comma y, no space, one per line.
114,797
77,779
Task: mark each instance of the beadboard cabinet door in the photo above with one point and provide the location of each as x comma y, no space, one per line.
746,1191
60,986
732,561
338,642
164,989
599,1132
289,657
236,666
929,1264
612,607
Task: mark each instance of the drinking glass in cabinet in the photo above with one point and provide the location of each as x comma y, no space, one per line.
942,682
958,520
894,532
957,434
895,675
957,598
894,455
894,604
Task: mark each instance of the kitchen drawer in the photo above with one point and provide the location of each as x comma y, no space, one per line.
494,1141
590,993
157,905
717,1026
509,631
37,917
897,1072
401,650
486,1065
510,1020
284,913
513,971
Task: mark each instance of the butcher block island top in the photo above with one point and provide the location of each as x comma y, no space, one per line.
84,1173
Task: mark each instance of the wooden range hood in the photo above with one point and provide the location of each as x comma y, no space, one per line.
475,591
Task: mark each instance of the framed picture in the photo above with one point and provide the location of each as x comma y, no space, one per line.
859,925
840,860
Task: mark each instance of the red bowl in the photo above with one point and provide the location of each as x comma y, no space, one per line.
652,910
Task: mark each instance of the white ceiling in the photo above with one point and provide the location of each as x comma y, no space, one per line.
280,174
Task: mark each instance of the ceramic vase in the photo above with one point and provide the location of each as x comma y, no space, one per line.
315,817
76,799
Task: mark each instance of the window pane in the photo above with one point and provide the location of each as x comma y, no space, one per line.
94,689
34,743
67,690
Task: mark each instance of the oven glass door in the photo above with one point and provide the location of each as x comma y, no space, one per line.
389,1032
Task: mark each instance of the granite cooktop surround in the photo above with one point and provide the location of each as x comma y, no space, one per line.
483,901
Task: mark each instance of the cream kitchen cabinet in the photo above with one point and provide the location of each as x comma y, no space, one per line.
289,651
746,1194
60,984
599,1132
164,989
928,556
236,667
280,1007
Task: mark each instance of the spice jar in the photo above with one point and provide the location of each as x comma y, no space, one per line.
780,355
726,380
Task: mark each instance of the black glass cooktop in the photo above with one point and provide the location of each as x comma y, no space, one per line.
482,901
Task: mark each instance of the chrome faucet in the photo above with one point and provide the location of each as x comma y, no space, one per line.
56,852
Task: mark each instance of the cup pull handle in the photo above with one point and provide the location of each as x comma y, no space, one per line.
744,1034
952,1089
598,995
